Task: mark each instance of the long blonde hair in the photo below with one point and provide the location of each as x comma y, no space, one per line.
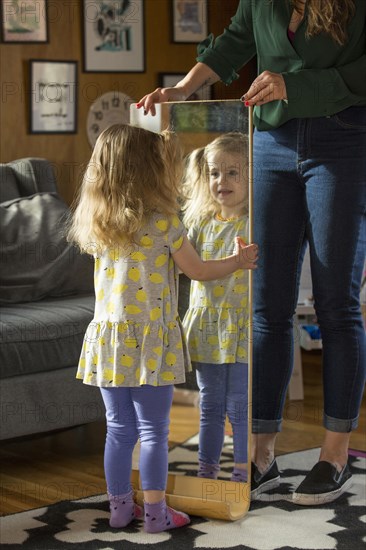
199,203
329,16
131,174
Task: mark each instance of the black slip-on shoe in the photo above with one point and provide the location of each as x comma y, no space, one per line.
270,479
322,484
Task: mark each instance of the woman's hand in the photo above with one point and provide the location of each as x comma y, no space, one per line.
159,96
200,75
265,88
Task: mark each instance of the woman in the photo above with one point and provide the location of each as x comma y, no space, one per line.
309,188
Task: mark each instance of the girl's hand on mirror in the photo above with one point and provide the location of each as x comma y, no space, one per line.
265,88
160,95
247,255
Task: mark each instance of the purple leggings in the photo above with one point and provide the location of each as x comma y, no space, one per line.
132,414
223,391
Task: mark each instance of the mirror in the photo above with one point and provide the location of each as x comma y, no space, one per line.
219,338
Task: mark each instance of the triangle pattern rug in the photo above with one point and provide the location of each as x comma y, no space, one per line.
272,523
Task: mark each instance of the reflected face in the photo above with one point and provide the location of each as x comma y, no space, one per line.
227,182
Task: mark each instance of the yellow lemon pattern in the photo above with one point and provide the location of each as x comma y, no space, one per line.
110,272
170,359
216,321
136,336
141,295
134,274
178,243
161,260
175,222
218,291
152,364
156,278
138,256
155,313
114,254
99,295
146,241
127,361
168,376
162,224
131,309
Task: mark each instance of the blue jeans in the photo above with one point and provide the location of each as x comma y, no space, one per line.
310,188
132,414
223,391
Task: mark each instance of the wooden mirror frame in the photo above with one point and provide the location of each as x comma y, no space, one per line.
220,499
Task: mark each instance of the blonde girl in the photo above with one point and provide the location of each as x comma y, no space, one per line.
216,321
134,349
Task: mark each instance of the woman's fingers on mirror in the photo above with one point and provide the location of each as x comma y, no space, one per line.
159,95
148,102
265,88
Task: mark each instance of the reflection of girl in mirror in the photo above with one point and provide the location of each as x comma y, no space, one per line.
217,318
134,348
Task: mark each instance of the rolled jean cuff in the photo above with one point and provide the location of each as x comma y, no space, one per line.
339,425
266,426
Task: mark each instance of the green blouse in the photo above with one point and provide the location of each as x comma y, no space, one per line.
322,78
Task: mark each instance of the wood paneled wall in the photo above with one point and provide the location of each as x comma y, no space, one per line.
69,152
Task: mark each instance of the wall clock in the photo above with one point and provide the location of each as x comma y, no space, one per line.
109,108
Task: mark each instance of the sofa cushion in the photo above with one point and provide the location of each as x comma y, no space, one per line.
9,188
44,335
37,260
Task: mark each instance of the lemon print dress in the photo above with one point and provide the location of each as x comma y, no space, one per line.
216,322
136,336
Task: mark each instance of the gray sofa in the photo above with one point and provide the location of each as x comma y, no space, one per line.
46,303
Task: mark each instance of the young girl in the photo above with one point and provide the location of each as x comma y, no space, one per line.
134,348
216,321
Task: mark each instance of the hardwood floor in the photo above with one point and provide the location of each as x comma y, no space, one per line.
42,470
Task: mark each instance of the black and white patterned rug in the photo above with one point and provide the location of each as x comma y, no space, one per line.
273,523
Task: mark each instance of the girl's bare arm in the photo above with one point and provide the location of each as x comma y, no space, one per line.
189,262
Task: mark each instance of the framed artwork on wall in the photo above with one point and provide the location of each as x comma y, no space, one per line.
53,97
114,36
189,20
24,21
165,80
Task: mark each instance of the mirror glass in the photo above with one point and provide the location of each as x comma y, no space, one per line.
218,330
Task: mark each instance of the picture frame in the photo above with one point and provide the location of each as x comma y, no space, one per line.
24,21
165,80
114,36
189,21
53,96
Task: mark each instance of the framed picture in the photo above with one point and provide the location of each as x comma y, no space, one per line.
166,80
53,99
189,20
24,21
114,36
